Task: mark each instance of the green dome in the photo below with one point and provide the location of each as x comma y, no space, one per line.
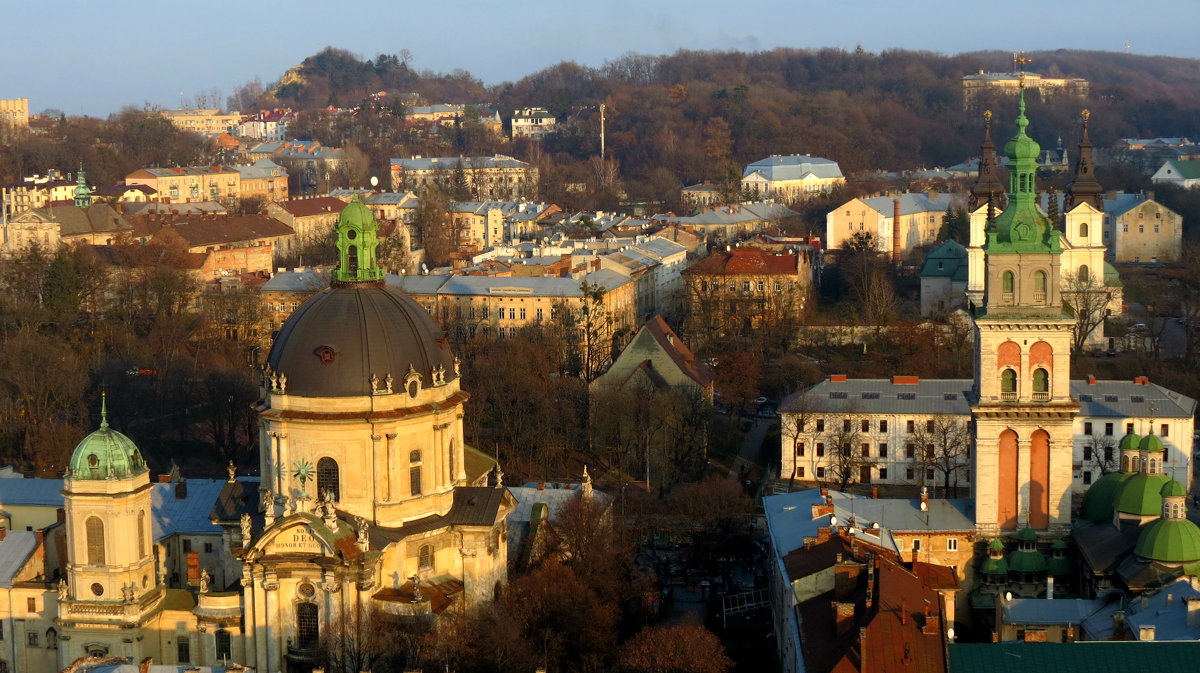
1151,442
1027,535
1130,441
106,454
357,243
1027,561
1173,488
1058,567
1169,541
1099,499
1140,494
994,566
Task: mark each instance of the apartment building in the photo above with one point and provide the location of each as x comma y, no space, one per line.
496,177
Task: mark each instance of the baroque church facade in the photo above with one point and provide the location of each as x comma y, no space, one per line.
368,499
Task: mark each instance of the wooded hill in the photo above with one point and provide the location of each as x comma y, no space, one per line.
894,110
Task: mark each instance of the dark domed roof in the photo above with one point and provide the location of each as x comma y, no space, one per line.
1100,498
335,342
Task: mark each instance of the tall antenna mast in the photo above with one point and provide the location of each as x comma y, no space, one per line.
602,131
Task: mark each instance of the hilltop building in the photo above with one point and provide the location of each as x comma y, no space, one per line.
1009,83
532,122
497,177
791,177
898,224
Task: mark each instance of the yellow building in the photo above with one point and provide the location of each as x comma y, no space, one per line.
792,177
37,191
203,120
898,223
740,290
263,178
1011,82
1139,229
497,177
189,183
15,112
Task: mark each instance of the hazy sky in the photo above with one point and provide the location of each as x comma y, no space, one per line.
93,57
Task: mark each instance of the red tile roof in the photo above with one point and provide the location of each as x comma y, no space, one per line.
315,206
748,261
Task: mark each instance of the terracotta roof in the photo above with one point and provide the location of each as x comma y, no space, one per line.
680,355
315,206
219,230
896,640
747,261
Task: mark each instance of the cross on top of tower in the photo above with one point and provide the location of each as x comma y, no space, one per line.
1019,63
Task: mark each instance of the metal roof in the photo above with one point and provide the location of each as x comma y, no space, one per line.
450,163
15,549
793,167
910,203
188,515
1077,657
1050,611
31,492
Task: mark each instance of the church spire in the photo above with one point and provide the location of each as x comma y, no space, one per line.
357,242
1085,188
83,195
103,410
987,183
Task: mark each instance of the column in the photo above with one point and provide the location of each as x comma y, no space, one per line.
390,477
262,633
274,641
1023,476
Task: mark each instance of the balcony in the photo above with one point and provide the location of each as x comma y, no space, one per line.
1008,397
1039,297
1041,397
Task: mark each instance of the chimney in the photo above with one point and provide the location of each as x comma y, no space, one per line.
3,533
61,515
1118,621
144,667
181,489
40,536
164,478
1146,632
933,623
862,648
1050,588
896,231
1091,379
843,614
874,492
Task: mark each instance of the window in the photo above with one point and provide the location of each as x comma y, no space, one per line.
1087,428
414,472
909,474
1087,453
866,450
800,472
1041,381
1083,274
745,286
952,544
539,315
929,473
1108,454
916,546
1141,228
208,547
865,425
883,426
224,651
1008,381
1083,230
779,285
51,639
522,313
425,557
1087,476
883,473
307,628
929,425
328,479
910,450
32,638
820,473
820,425
800,449
911,427
820,449
883,449
1108,429
760,286
1039,281
1006,282
733,286
1128,426
95,540
183,649
846,425
141,526
31,605
1163,430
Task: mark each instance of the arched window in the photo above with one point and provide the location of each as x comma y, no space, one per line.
1135,465
1008,381
224,651
1153,463
1006,282
141,525
51,639
94,528
1041,380
183,648
308,631
327,479
1083,230
414,472
425,557
352,258
1124,463
1083,274
1039,281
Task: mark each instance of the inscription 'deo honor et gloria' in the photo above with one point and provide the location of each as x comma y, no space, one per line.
298,539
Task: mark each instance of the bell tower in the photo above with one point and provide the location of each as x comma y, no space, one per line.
1023,407
111,581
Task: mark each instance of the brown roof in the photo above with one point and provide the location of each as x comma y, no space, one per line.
680,355
217,230
314,206
748,261
149,255
75,221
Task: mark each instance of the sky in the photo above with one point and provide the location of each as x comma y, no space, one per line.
95,57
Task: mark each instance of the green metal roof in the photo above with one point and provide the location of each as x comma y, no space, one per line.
1151,442
1100,498
1140,494
1027,535
1169,541
1173,488
1026,561
994,566
106,454
1022,228
1079,657
1188,169
1130,441
357,242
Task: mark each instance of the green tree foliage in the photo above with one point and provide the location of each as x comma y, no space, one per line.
956,226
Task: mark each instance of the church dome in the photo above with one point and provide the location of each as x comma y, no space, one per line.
1151,442
1169,541
358,330
333,344
1141,494
1100,498
1130,442
106,454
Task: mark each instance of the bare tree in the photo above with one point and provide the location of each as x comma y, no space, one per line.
366,638
797,429
1087,299
846,452
1103,454
943,444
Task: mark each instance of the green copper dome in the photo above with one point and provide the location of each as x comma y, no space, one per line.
106,454
1059,565
1130,441
1169,541
1022,228
357,241
1027,561
1151,442
1100,498
1173,489
997,565
1027,535
1139,494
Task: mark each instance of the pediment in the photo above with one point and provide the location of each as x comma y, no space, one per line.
296,535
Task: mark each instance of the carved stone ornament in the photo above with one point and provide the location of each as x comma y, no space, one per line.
326,353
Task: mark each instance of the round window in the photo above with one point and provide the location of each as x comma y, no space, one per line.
98,589
93,460
412,388
306,590
352,234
